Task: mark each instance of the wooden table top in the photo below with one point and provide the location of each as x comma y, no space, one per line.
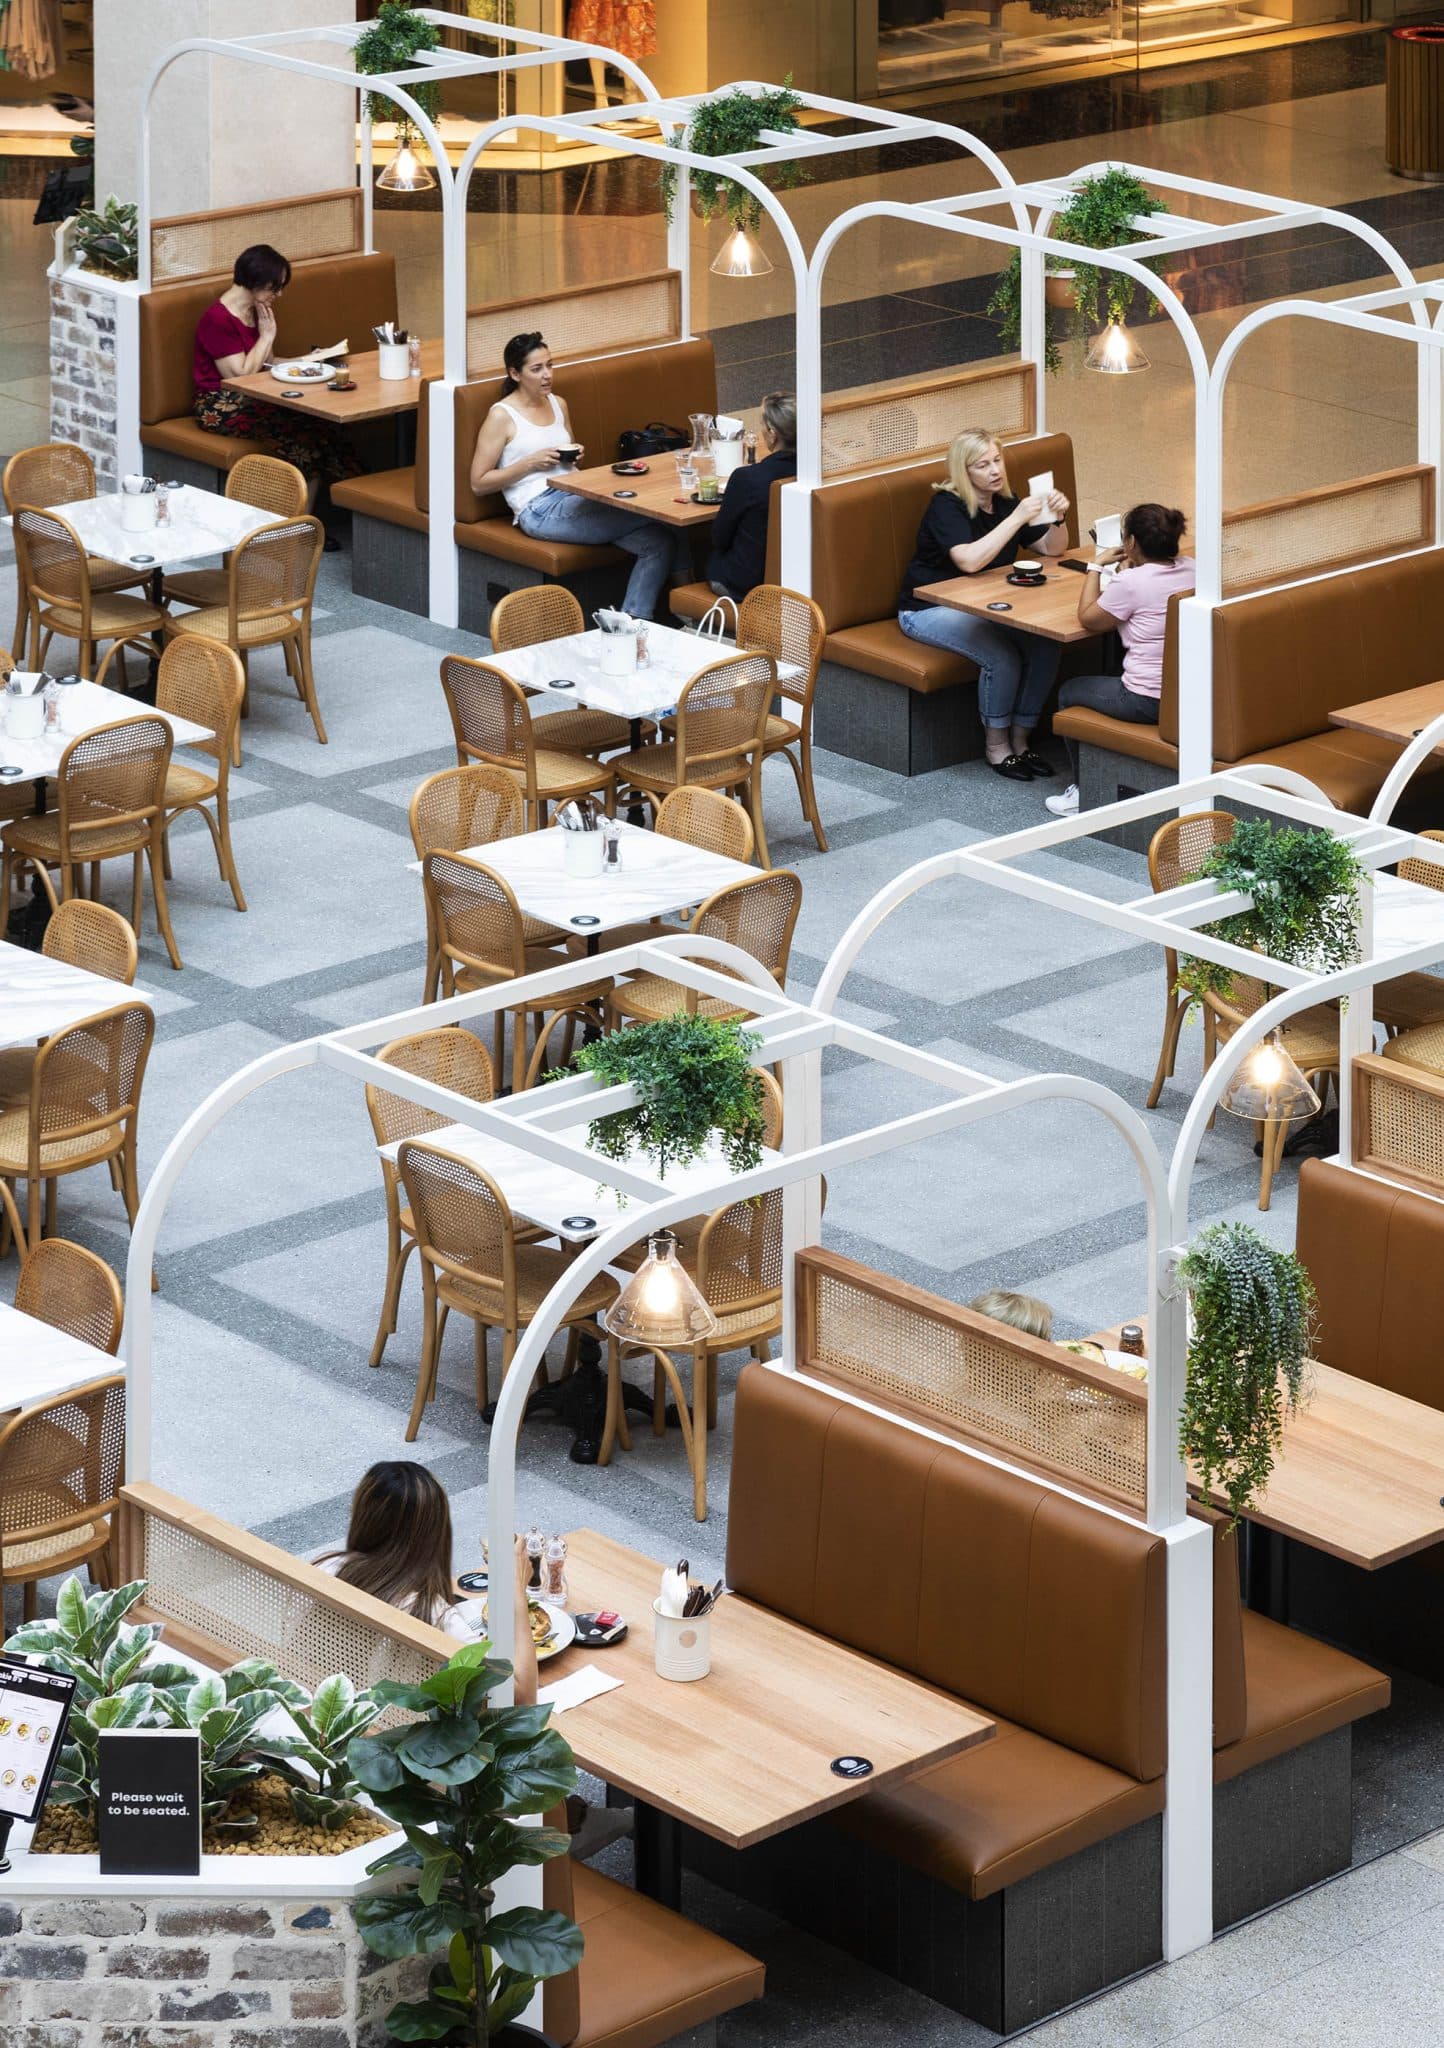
375,397
1401,717
658,496
1050,609
747,1751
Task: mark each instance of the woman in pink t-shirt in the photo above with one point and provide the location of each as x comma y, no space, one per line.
1135,604
235,338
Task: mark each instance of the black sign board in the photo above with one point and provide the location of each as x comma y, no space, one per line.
34,1704
149,1820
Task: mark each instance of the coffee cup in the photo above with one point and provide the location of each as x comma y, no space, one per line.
570,455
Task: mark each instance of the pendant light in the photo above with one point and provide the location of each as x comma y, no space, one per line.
741,256
406,172
1268,1088
1115,352
660,1304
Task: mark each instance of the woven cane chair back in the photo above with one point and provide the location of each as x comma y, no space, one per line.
722,712
488,710
477,921
203,680
739,1258
61,1464
524,617
54,473
463,1223
92,936
463,807
269,484
1427,873
789,627
451,1058
707,819
274,569
112,778
51,557
69,1288
87,1080
759,915
1177,851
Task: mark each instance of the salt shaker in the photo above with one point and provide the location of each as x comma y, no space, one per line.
51,694
413,355
556,1570
644,660
162,504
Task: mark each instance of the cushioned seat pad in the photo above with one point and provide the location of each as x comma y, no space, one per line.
1350,767
647,1975
1096,729
1298,1690
186,436
507,542
388,494
884,649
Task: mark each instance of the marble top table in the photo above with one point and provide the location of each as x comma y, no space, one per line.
37,1361
201,523
1406,914
576,659
88,706
39,997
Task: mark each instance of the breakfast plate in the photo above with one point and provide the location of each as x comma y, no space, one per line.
553,1629
303,372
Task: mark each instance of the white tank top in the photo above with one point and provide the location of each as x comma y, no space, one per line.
529,439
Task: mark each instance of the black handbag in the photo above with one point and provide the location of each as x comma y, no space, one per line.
656,438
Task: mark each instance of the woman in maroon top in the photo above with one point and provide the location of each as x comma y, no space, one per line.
235,338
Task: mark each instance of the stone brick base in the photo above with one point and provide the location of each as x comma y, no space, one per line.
82,371
193,1973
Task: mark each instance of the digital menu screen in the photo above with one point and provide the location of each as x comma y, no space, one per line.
33,1706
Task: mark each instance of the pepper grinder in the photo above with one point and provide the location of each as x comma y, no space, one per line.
611,847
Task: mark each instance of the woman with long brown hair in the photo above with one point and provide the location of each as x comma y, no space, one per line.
398,1544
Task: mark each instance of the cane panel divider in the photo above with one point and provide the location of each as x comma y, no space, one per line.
1336,526
185,247
587,320
912,419
1399,1123
971,1378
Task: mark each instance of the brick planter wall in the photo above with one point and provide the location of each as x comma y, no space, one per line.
83,395
211,1972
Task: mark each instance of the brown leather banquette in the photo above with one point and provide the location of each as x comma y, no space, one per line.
1375,1254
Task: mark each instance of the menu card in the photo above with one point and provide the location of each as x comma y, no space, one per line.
149,1819
34,1704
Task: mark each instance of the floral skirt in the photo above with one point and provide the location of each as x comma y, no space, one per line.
316,449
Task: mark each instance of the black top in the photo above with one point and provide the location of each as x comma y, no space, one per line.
948,524
739,532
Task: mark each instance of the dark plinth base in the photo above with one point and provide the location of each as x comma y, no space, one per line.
390,564
1107,778
868,719
181,469
484,580
1282,1827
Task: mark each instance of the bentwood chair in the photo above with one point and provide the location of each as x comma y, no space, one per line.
82,1110
1311,1039
481,940
549,611
263,481
454,1059
759,915
61,1467
471,1262
69,1288
82,934
270,587
493,723
459,809
791,628
63,599
58,473
111,790
204,682
719,738
1176,853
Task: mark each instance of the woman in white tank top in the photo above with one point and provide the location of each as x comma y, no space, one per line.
518,450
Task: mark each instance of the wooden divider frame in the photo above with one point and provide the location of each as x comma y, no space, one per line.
1414,532
951,392
1375,1149
346,202
489,328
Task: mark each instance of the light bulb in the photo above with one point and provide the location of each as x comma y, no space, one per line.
405,172
660,1292
741,256
1268,1066
1115,353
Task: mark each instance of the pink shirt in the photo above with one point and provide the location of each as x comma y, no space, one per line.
218,333
1138,599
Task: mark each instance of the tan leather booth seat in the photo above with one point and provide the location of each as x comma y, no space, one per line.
692,601
392,494
863,534
342,297
1375,1254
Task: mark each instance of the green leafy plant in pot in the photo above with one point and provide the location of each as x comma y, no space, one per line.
390,43
1100,214
694,1076
1305,907
728,125
461,1780
1248,1353
107,239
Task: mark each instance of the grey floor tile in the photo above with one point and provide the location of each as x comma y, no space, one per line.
379,696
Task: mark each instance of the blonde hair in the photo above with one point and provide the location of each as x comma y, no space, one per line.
1023,1311
966,448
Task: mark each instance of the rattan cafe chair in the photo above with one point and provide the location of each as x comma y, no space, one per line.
759,915
719,738
69,1288
1176,853
471,1262
704,818
1311,1039
62,1464
82,1110
82,934
791,628
492,722
58,473
63,599
549,611
111,787
270,587
263,481
203,681
455,811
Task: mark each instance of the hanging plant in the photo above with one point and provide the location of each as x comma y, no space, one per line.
1099,215
727,126
107,239
1072,10
694,1076
1305,901
390,43
1248,1357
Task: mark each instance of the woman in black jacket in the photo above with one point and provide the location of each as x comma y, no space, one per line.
738,562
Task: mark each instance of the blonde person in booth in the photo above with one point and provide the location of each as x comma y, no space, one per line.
524,440
973,524
1150,572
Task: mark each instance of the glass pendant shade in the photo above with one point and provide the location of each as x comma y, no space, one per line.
660,1304
406,172
741,256
1115,352
1268,1088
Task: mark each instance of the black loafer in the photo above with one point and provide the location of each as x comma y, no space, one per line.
1012,767
1034,763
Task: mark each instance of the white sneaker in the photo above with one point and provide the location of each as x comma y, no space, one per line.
1064,805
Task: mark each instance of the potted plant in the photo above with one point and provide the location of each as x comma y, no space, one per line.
727,125
106,239
1305,905
1248,1353
1100,214
390,43
694,1076
461,1779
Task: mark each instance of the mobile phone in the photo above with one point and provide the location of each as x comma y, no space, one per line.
1071,562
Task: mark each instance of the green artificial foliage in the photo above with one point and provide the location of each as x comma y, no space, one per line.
694,1075
1305,901
728,125
461,1780
1247,1357
1099,215
390,43
107,239
320,1783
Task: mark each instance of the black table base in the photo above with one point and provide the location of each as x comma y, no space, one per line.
657,1849
580,1401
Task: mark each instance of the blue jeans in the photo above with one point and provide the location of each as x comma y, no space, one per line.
558,515
1110,695
1015,670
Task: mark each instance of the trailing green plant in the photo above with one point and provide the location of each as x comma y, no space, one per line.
1100,214
728,125
107,239
1305,905
1253,1311
694,1076
329,1722
459,1780
390,43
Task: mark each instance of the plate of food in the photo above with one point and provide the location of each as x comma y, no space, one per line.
303,372
552,1628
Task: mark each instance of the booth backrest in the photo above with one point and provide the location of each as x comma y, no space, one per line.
1376,1257
1399,1120
342,298
604,396
864,530
977,1580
